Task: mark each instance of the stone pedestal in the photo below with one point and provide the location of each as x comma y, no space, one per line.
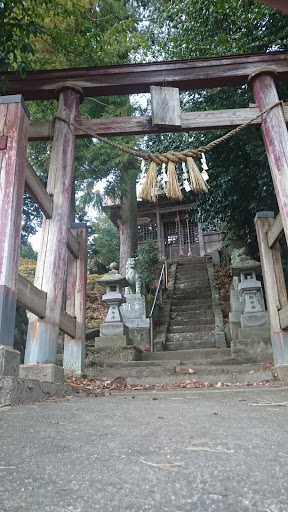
44,372
9,362
133,312
111,341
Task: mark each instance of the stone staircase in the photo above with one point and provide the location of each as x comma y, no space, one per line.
191,352
191,323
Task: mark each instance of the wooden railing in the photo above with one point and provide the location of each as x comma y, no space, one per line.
269,231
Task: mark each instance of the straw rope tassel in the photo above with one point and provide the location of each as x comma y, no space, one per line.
149,191
173,189
197,182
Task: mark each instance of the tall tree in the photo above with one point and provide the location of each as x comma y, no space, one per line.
238,169
58,34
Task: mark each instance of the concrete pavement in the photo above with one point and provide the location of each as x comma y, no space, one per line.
194,450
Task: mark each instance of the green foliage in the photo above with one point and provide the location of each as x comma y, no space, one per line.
240,180
57,33
150,263
103,245
185,29
27,269
27,251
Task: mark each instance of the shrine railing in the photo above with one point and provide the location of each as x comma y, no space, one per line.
163,275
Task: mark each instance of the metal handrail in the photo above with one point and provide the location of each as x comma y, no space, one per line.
164,268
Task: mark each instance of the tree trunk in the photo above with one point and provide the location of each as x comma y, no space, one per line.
128,216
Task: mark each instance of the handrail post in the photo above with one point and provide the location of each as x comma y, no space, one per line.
151,334
153,306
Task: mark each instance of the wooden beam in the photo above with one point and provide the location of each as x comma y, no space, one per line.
36,189
30,297
283,317
67,324
137,78
72,244
275,232
38,192
34,300
264,222
140,125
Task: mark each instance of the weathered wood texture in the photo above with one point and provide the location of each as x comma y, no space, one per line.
283,315
275,232
30,297
263,224
165,104
51,261
141,125
74,349
34,300
13,125
14,137
275,137
137,78
36,189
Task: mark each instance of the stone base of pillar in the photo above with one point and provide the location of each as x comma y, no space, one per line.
280,347
14,390
44,372
112,329
282,372
111,341
256,349
74,357
9,362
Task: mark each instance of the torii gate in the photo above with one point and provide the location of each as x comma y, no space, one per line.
44,299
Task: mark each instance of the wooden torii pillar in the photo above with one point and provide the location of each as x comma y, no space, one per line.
14,122
275,136
42,334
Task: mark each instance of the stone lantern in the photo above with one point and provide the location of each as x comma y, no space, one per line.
248,319
250,288
113,282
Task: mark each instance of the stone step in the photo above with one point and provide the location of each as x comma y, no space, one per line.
191,275
195,290
198,342
192,321
199,355
195,317
169,375
190,340
207,327
187,337
191,288
188,308
203,301
191,281
192,262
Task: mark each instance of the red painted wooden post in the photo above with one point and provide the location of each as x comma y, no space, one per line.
74,349
275,135
14,121
43,334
